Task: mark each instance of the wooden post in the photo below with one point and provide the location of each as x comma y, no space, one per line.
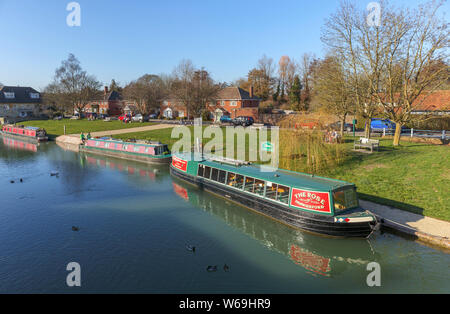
64,129
443,134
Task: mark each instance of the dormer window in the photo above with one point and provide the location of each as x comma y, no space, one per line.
9,95
34,95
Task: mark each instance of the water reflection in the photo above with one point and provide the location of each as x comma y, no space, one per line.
13,143
319,256
131,168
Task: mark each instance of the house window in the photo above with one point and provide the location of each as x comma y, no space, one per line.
34,95
9,95
222,103
234,103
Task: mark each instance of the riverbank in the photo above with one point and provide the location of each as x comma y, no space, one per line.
428,230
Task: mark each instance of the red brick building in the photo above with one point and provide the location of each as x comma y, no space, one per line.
235,102
231,101
111,104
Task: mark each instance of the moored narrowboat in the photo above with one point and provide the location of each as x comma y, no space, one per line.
150,152
308,202
34,134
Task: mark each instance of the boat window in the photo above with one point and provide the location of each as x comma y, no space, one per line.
283,194
137,149
200,170
106,145
345,199
214,174
222,176
231,179
249,184
239,181
207,173
259,187
271,190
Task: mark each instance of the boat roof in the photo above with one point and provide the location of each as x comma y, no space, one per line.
278,176
109,139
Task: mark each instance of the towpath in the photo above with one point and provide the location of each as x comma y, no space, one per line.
426,229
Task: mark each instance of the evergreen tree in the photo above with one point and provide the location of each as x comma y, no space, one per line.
295,94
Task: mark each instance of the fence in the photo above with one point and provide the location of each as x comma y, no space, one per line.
420,133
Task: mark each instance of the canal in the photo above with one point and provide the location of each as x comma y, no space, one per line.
137,226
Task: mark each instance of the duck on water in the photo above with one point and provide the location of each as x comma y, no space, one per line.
312,203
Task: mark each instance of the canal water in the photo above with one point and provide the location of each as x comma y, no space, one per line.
137,226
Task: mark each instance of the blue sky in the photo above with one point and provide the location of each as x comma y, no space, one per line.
126,39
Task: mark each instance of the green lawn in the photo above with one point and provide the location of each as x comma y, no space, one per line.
413,177
56,127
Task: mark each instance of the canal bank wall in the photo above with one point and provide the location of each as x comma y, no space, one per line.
428,230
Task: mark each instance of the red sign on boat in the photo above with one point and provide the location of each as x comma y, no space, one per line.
179,163
315,201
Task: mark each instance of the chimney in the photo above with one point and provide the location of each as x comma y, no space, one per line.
250,92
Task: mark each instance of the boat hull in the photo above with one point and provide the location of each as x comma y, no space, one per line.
126,155
323,225
25,137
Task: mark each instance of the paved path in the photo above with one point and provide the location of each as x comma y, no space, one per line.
130,130
427,229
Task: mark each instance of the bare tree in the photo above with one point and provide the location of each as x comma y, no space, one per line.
333,84
147,92
194,88
75,88
396,63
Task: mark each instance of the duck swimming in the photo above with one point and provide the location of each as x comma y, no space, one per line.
211,268
190,248
75,228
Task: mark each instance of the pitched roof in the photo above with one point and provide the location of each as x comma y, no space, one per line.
21,95
235,93
436,101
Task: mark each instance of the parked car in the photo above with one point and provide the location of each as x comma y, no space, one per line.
377,125
153,116
139,118
243,120
225,119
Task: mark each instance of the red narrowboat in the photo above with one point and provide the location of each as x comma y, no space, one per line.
28,132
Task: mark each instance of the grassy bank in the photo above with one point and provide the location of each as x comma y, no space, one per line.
413,177
56,127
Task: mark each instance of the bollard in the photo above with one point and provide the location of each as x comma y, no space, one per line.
412,132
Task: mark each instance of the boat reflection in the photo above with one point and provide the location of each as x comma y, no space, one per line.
319,256
14,143
142,170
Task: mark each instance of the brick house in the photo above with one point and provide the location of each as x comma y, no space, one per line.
111,104
231,101
172,108
19,103
235,102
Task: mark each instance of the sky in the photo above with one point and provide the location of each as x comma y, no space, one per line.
123,40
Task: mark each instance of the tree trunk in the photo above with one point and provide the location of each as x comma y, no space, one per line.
367,128
342,126
398,133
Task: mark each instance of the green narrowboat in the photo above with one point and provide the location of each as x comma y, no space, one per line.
312,203
149,152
